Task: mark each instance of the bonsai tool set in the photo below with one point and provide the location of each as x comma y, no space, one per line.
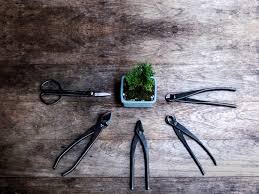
138,79
139,137
51,92
94,133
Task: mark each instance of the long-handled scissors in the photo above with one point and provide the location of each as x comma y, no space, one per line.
94,132
185,97
51,92
180,131
139,137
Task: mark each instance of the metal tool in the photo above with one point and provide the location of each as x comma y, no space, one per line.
184,97
139,136
94,132
51,92
180,131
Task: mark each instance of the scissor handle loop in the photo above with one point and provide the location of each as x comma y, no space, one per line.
42,94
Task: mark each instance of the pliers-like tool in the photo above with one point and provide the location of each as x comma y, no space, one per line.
94,132
180,131
139,136
185,97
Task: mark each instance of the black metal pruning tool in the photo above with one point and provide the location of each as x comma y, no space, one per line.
51,92
185,97
94,132
139,137
180,131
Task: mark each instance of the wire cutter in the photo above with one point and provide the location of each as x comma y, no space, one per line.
184,96
139,136
94,132
180,131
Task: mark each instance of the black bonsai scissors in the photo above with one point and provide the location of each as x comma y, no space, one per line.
51,92
180,131
184,96
94,132
139,137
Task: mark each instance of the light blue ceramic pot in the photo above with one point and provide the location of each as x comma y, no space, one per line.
137,104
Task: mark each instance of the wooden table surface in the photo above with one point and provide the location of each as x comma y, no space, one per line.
86,44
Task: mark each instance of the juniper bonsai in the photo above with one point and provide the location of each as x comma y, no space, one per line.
139,84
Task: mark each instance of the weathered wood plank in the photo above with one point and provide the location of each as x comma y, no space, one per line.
193,44
157,31
110,158
231,185
66,120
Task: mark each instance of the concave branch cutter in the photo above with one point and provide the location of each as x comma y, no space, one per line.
94,132
185,96
139,137
180,131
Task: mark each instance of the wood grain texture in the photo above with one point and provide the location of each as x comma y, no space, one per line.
90,44
230,185
109,158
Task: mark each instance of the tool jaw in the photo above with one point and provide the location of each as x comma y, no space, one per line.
170,97
171,120
105,119
139,128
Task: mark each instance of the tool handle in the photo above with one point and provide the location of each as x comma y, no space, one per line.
51,92
185,144
49,84
132,161
177,96
194,92
96,134
56,95
49,101
67,93
193,137
78,140
146,158
195,101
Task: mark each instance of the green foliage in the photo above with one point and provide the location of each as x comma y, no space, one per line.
139,84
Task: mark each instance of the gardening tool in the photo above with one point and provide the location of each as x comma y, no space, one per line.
51,92
94,132
139,136
180,131
184,97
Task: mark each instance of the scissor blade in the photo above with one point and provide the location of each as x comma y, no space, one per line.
100,94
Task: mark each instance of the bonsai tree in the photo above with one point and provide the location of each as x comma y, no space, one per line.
139,84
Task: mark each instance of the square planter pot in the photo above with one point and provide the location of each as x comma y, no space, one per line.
137,104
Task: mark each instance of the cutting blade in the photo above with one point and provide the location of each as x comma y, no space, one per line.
101,94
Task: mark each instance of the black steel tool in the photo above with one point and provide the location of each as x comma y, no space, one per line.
139,137
184,97
51,92
180,131
94,132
